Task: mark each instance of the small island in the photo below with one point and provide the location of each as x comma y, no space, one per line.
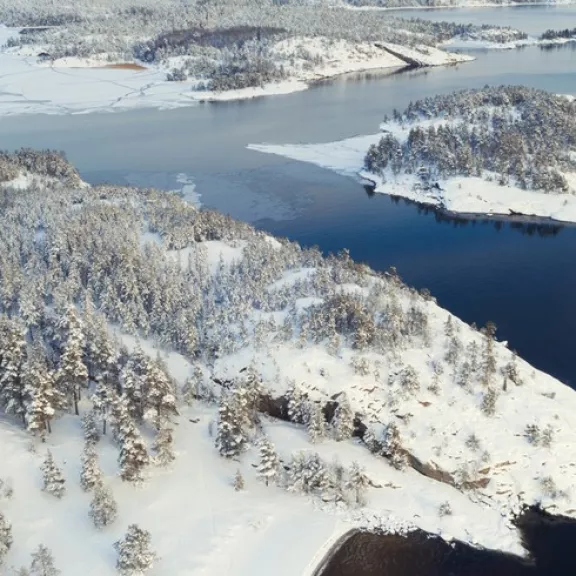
508,150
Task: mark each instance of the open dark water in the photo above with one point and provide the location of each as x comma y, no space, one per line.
550,542
521,277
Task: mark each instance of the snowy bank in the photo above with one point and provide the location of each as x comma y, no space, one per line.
72,85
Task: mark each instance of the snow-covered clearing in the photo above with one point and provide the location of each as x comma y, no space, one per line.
468,195
30,85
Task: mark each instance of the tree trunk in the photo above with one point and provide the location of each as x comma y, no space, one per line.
76,394
48,426
104,427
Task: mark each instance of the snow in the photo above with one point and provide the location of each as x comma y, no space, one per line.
201,526
238,534
468,195
81,85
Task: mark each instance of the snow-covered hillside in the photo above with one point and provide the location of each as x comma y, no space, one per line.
254,393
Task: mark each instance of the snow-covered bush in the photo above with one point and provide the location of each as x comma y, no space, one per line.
135,554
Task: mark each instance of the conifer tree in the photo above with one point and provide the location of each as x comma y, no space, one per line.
238,481
163,444
343,422
230,439
102,401
160,398
103,507
135,554
269,462
133,456
316,424
73,374
90,428
43,398
12,361
297,405
392,447
43,563
307,473
54,482
91,474
5,537
357,482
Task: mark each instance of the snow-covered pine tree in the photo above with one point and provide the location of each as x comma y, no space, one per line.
133,456
12,361
90,428
357,483
392,447
132,384
43,399
43,563
5,537
73,374
316,424
102,400
163,444
160,395
135,554
238,482
91,474
269,465
343,421
103,507
297,404
54,482
307,473
230,438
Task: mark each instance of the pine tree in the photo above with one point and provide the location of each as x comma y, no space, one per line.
54,482
488,358
90,475
357,482
297,405
160,399
90,428
238,481
43,399
102,400
307,473
163,444
133,457
135,555
12,361
392,447
73,374
103,507
343,422
316,424
230,439
43,563
5,537
269,462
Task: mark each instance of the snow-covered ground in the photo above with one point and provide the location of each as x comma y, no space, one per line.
467,195
198,523
79,85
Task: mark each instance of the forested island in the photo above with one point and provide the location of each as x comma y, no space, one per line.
169,371
507,150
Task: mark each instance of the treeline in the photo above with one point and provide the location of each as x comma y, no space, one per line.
565,34
40,163
524,136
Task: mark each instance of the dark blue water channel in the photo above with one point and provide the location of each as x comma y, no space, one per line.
522,277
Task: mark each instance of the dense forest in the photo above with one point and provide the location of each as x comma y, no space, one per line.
514,134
